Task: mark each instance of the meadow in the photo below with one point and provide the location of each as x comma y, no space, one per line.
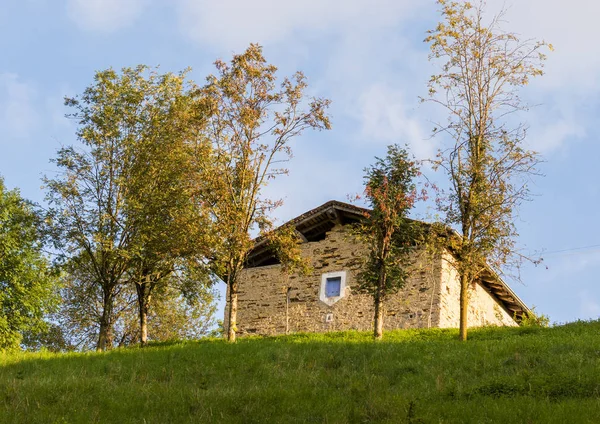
516,375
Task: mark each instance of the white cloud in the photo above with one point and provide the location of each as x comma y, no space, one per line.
235,23
572,71
568,26
373,67
558,120
18,116
548,136
314,178
104,15
386,118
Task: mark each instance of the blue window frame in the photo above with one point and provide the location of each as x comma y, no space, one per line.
333,286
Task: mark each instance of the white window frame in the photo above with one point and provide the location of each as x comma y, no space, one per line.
322,294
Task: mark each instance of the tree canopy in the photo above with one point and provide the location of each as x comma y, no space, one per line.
28,284
391,192
125,209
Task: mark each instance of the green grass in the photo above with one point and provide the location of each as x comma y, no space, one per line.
516,375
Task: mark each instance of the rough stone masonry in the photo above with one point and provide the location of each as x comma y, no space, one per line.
273,302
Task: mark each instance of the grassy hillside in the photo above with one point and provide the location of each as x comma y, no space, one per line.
523,375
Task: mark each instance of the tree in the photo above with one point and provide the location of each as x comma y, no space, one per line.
28,284
87,223
82,308
124,209
252,123
487,163
177,313
390,236
164,193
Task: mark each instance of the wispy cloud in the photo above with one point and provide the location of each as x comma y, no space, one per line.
18,117
104,15
571,74
576,61
549,135
233,24
386,117
370,59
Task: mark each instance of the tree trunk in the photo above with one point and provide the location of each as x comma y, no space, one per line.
378,319
143,295
464,303
105,334
378,324
233,298
287,310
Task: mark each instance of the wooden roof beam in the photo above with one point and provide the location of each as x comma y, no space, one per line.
301,236
314,226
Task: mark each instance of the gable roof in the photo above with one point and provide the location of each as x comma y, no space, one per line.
314,224
311,226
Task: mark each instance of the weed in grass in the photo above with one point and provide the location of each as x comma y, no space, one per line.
411,414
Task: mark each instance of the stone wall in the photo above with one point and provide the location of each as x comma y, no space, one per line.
429,299
484,308
263,307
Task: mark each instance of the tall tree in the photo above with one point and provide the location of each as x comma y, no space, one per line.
391,192
123,208
164,194
28,285
253,120
87,216
488,165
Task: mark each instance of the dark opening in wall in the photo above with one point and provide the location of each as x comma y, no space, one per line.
273,260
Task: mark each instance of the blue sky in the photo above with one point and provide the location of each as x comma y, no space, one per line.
369,58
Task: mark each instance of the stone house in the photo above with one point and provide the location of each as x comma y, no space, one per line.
271,301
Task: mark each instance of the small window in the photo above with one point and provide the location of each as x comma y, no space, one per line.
333,286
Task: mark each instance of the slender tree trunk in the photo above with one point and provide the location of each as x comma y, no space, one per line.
233,298
464,272
378,324
105,336
143,295
287,310
143,325
378,319
464,304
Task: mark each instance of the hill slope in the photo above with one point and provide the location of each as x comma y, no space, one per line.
529,375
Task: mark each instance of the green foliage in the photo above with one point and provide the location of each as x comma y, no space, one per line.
391,192
87,215
28,284
52,338
83,306
253,118
127,206
533,319
286,242
181,309
538,375
482,69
